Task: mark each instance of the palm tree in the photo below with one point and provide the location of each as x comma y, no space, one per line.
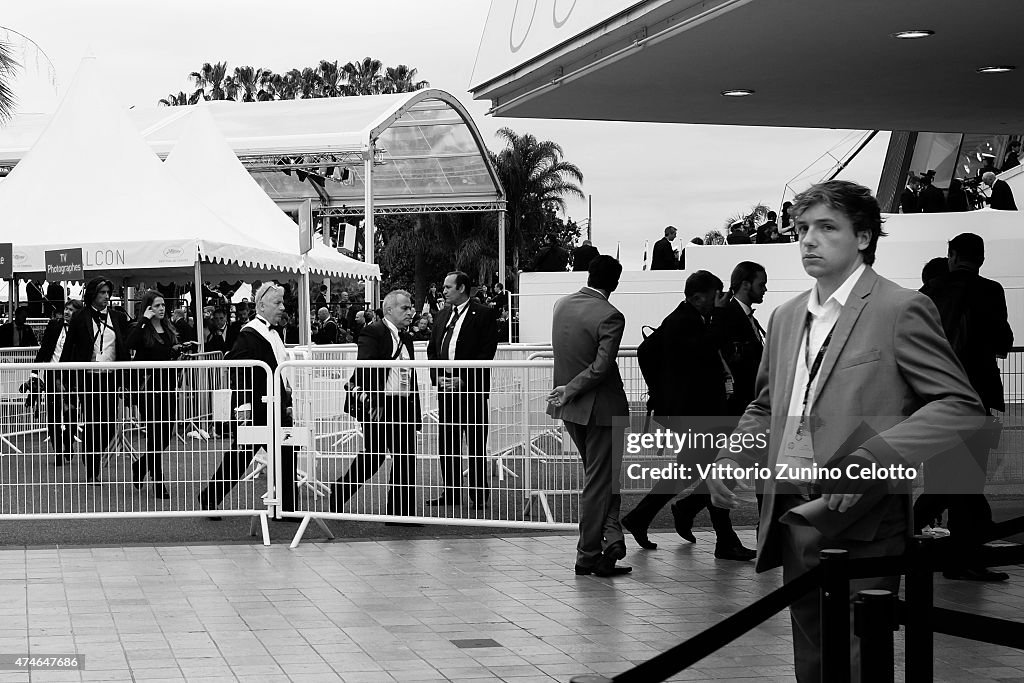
331,79
402,78
535,178
178,100
8,65
249,82
210,81
364,77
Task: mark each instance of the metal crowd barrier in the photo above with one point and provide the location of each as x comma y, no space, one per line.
97,440
426,448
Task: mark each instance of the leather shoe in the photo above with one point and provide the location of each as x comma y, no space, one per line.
598,570
639,534
736,552
975,574
683,525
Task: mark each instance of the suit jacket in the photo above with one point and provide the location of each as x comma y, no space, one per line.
49,342
662,256
691,369
478,340
980,304
28,337
741,348
932,200
233,330
1002,197
586,331
217,343
376,343
889,384
909,202
738,238
250,345
328,333
160,350
78,345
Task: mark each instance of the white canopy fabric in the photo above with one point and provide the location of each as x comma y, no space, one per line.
204,164
91,181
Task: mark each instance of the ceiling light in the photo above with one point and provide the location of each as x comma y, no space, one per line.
737,92
995,69
913,34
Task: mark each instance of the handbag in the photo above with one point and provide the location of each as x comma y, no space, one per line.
354,406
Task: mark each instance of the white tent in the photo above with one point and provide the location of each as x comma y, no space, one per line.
204,163
90,181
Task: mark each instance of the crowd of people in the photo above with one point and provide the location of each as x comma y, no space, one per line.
921,195
858,374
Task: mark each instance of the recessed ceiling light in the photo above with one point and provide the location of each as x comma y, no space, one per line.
995,69
913,34
737,92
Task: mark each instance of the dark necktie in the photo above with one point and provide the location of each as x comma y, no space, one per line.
757,327
448,332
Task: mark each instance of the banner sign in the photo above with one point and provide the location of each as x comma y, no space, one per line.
6,260
305,226
64,264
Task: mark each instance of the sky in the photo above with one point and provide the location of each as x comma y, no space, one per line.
641,177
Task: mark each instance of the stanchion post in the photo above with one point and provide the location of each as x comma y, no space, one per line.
874,620
919,593
835,616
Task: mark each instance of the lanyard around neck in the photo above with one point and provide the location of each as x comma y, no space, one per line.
816,365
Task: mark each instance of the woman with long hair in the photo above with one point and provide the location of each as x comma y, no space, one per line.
153,338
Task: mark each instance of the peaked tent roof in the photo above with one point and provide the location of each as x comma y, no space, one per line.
122,208
203,162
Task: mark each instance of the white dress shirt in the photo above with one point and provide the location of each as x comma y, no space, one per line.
104,342
823,318
399,381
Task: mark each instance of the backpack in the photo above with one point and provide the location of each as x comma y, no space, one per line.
648,358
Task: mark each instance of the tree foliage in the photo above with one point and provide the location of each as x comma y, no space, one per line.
215,81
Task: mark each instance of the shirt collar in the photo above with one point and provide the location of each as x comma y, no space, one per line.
461,308
839,296
747,310
598,291
394,328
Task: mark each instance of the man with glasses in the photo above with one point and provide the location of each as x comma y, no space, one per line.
96,334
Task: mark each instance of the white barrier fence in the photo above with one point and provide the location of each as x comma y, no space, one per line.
104,440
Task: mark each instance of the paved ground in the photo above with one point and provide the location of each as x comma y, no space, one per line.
461,609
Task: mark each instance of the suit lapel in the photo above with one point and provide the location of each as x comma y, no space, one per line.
791,337
844,326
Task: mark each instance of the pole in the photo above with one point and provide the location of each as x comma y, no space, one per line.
590,217
835,616
304,312
197,303
919,637
368,232
501,249
874,616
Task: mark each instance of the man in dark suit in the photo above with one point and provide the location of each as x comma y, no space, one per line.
464,330
241,320
259,339
931,197
217,333
973,314
97,333
695,380
1002,195
582,256
328,332
663,256
589,398
910,202
17,333
392,411
1011,160
763,235
553,258
738,234
866,370
50,349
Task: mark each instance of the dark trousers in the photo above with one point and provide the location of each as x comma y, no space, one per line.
458,414
802,547
98,396
393,432
233,466
157,408
600,500
59,427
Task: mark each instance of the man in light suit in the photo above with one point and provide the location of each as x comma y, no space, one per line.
865,370
588,397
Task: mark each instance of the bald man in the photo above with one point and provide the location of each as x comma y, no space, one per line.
328,332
